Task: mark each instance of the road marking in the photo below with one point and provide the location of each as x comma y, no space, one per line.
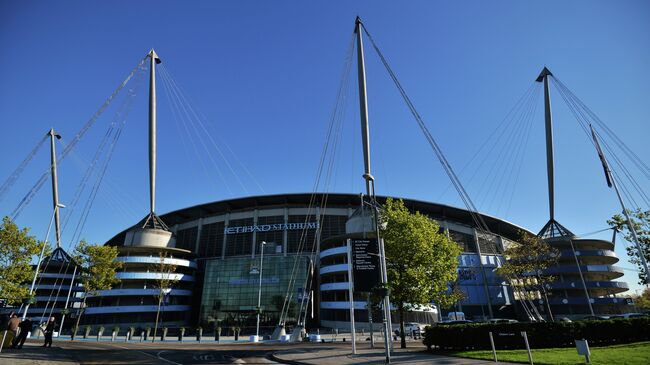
157,357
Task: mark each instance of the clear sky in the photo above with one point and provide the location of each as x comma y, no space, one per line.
265,75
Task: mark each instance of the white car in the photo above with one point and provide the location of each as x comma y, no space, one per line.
409,327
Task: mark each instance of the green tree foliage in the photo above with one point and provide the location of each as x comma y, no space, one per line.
643,301
641,223
525,265
16,250
97,267
163,283
421,260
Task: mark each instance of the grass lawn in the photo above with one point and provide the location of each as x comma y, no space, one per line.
634,353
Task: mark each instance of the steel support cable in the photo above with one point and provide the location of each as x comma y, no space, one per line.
86,177
28,197
200,119
117,198
336,114
626,193
639,190
520,152
98,183
193,132
186,102
189,113
178,118
478,220
585,121
119,120
503,125
11,180
611,152
588,115
179,131
521,164
507,128
186,119
323,203
504,159
627,150
518,149
476,217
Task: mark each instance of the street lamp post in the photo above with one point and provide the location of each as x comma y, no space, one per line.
40,259
259,291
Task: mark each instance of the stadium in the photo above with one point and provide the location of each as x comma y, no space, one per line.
216,248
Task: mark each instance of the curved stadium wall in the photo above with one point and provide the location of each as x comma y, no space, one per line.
221,243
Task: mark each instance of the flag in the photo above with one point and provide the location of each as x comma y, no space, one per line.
608,173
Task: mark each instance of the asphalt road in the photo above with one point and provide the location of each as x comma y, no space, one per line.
145,353
157,353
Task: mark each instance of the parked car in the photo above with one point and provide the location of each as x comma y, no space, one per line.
451,323
596,318
630,315
502,320
409,327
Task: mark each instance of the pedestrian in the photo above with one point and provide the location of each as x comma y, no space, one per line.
49,331
25,327
14,321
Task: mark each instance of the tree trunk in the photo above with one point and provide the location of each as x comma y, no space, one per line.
401,327
548,305
81,312
155,327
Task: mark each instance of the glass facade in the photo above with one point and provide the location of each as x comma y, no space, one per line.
231,285
211,241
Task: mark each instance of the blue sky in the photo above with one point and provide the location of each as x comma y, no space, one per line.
264,74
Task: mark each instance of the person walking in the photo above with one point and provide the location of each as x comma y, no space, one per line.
14,321
25,327
49,331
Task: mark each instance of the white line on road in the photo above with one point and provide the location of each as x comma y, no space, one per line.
157,357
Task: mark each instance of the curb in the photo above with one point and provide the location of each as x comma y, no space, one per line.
271,356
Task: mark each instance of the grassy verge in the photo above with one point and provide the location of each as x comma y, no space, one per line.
631,354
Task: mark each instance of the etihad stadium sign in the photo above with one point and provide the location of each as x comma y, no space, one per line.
271,227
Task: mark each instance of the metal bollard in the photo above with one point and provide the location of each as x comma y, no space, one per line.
530,356
494,351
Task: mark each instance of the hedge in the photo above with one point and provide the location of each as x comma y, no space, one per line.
474,336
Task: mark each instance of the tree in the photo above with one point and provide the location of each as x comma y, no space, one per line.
163,283
16,250
643,301
641,223
97,269
421,261
524,269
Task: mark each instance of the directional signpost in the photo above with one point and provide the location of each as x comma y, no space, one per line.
365,264
364,272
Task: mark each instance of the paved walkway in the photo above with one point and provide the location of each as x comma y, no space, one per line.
321,355
33,354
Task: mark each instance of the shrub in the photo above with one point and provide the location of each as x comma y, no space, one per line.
540,335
